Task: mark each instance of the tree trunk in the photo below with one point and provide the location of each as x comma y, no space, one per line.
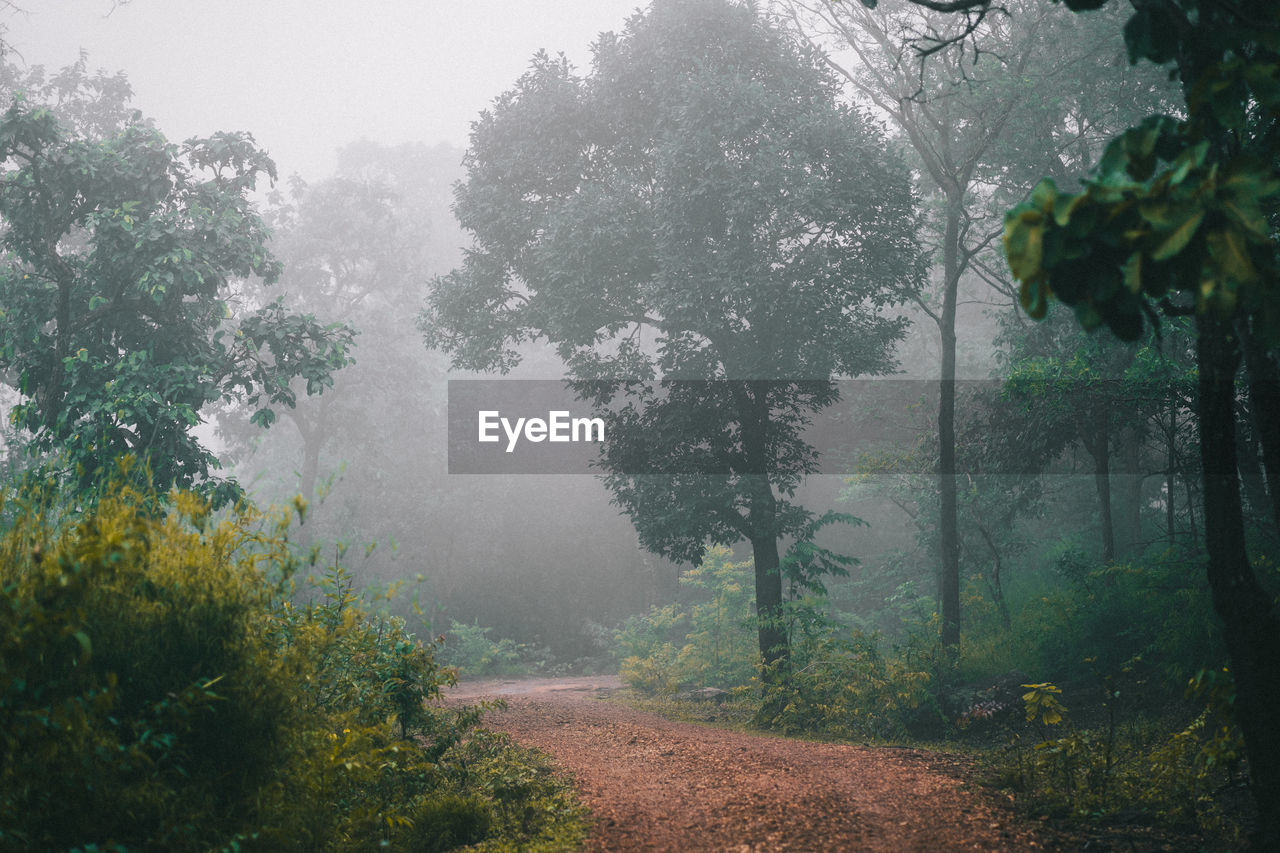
1171,461
1252,480
774,650
1095,434
1128,516
948,522
1250,624
753,408
1102,482
994,582
1264,400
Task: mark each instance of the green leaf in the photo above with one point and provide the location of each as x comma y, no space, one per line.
1024,241
1132,272
1178,239
1032,296
1229,249
1065,205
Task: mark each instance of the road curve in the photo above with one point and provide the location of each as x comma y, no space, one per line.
658,785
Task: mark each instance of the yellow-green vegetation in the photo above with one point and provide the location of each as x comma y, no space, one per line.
708,644
163,687
1111,737
848,687
1133,765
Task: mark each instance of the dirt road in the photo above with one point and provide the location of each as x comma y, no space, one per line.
655,785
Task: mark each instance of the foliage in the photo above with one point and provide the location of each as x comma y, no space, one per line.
1180,217
842,684
1043,91
1173,208
649,221
1130,765
719,650
849,688
142,704
706,644
469,650
345,252
160,691
115,318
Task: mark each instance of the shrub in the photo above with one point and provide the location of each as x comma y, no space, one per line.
850,689
141,700
160,691
448,822
1132,765
469,650
709,644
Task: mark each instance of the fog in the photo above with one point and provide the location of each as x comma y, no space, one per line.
347,95
308,77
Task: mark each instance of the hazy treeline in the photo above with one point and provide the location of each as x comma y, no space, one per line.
785,200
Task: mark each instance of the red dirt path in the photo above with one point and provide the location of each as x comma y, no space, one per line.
654,784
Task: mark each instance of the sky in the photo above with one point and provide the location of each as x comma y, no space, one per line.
308,76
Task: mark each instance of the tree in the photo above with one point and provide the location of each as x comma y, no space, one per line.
346,256
973,122
116,322
708,237
346,252
1180,218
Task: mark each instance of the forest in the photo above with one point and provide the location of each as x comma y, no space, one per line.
929,376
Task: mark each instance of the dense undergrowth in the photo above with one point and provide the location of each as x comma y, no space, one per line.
1102,698
165,684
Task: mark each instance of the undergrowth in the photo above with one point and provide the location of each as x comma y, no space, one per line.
1113,644
162,688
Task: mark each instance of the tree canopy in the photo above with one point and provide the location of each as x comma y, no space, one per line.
120,254
700,207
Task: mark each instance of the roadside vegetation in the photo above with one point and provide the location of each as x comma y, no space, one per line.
1098,704
176,678
740,220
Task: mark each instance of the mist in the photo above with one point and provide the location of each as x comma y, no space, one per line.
894,421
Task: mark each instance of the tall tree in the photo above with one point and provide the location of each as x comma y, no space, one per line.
700,207
1181,218
346,256
115,323
973,122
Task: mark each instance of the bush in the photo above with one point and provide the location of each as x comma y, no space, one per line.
449,822
1128,765
469,650
159,691
710,644
142,700
846,687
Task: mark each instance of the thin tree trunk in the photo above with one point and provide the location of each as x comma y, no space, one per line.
1097,441
1171,460
753,406
1102,482
948,521
1129,491
997,587
1264,399
1252,480
774,649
